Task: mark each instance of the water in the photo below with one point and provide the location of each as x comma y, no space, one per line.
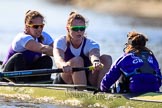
110,32
17,104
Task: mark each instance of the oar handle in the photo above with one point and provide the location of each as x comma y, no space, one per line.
82,68
38,72
76,69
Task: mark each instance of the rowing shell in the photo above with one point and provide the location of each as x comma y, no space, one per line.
66,86
148,97
69,96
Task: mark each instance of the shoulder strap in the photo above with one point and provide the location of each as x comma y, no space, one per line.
145,68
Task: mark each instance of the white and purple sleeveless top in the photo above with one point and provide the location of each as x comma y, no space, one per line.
19,42
60,43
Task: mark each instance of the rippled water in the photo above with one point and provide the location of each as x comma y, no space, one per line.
11,103
107,30
28,105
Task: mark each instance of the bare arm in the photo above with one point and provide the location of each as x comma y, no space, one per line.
59,57
59,60
34,46
94,55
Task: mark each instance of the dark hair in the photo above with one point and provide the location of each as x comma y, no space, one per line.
31,15
136,43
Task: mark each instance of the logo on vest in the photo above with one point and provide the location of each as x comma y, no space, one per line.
135,61
150,59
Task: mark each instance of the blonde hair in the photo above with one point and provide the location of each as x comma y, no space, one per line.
31,15
73,16
136,43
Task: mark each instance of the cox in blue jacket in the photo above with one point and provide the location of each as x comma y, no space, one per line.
140,69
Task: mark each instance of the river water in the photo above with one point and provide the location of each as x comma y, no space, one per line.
109,31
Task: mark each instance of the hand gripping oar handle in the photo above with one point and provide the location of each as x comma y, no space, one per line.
38,72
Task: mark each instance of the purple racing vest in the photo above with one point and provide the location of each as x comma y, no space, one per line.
29,56
69,55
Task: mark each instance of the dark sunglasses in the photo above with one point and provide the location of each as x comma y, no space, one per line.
77,28
36,26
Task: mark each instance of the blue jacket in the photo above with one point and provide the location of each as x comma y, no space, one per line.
127,64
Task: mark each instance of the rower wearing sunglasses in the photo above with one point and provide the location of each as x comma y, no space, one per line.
30,49
77,50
